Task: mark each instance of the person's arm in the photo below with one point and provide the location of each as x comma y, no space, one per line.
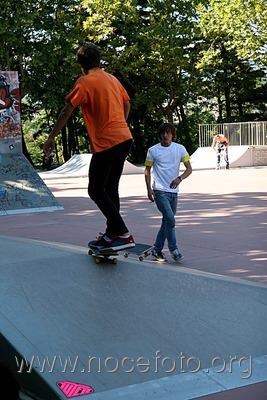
126,106
213,143
227,142
150,191
61,121
184,175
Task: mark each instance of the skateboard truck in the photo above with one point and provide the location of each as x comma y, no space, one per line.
99,254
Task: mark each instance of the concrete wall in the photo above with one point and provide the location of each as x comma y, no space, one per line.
259,155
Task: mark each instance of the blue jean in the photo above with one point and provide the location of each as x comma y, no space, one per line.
167,204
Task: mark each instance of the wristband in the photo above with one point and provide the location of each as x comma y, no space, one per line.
180,178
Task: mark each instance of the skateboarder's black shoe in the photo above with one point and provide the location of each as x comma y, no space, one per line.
101,242
121,243
158,255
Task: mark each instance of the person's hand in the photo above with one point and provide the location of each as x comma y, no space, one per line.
151,195
49,146
175,183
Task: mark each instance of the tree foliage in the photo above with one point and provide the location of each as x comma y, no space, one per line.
154,45
185,61
232,56
39,40
237,26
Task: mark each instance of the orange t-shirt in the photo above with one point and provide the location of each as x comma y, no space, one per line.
101,97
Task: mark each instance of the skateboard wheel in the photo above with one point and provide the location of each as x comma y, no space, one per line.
141,258
125,255
90,252
115,261
97,260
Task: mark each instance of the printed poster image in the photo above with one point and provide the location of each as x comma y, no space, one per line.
10,121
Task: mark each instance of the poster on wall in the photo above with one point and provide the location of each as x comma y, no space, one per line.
10,121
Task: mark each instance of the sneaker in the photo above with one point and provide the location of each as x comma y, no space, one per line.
101,242
176,255
227,166
158,255
122,243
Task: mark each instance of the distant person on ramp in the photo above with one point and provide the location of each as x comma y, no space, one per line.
105,105
220,146
165,158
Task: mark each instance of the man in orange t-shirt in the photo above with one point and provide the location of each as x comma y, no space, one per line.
105,107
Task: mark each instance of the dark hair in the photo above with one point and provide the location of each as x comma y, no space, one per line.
88,56
8,381
167,126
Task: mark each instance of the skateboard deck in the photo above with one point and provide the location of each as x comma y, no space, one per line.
140,249
105,255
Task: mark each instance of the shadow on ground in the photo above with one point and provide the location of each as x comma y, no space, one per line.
223,234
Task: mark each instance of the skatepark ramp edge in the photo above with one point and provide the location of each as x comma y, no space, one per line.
239,156
78,166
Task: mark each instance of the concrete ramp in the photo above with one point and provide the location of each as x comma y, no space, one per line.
205,157
23,189
240,156
78,166
124,329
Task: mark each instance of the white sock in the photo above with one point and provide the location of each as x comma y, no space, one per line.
107,238
124,236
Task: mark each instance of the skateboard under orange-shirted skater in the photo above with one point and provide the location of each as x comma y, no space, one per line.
105,254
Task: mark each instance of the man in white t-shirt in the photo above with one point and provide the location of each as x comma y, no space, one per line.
165,158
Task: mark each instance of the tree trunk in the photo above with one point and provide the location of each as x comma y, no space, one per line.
240,106
138,148
219,105
168,110
227,101
66,155
71,137
178,114
188,141
24,148
56,151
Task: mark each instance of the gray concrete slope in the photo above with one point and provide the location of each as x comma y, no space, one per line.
78,165
205,157
24,190
137,330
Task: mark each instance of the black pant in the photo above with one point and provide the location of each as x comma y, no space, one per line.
104,175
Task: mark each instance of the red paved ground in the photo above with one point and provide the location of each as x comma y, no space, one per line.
221,219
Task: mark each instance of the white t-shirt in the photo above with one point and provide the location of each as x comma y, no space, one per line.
166,164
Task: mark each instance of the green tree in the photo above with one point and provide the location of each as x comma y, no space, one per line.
39,39
231,58
151,45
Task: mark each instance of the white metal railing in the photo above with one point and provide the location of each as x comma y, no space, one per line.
239,133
